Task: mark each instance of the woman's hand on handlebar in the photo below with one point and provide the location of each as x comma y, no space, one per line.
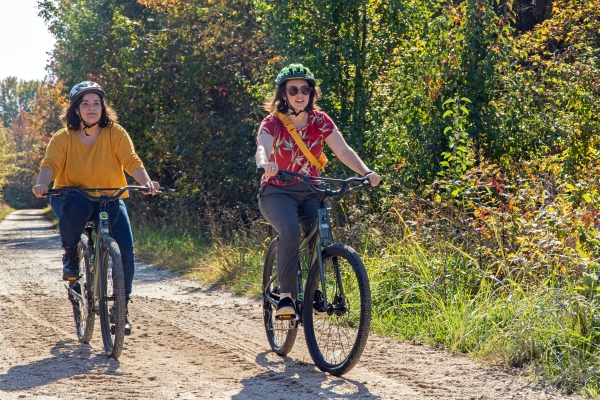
153,188
40,190
271,169
373,178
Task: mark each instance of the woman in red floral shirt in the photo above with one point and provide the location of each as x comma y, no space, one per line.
286,206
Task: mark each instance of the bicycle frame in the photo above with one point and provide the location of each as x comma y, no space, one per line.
102,231
320,235
101,287
336,327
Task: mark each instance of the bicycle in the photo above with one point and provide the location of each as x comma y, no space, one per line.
100,287
335,304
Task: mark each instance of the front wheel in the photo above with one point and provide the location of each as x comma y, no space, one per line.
83,293
280,333
337,333
112,298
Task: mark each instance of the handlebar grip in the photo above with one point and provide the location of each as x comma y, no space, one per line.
260,171
367,183
146,189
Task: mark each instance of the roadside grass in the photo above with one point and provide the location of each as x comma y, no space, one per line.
50,216
235,265
4,210
550,331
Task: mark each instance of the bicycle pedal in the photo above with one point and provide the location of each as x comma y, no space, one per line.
287,317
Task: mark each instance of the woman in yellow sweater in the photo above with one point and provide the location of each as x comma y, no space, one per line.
92,151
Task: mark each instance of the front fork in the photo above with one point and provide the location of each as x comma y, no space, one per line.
103,231
94,254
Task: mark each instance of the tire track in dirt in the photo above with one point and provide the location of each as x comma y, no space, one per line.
192,341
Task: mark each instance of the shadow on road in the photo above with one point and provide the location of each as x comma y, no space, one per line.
31,216
33,228
13,232
294,379
69,358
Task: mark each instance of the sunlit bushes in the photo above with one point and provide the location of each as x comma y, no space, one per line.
531,227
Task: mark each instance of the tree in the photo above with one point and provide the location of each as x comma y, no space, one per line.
14,96
24,143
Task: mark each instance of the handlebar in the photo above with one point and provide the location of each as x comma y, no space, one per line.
289,176
103,196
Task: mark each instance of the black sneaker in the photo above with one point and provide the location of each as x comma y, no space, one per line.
285,306
319,303
70,264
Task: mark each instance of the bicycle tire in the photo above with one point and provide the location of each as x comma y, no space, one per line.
281,334
83,312
112,298
336,340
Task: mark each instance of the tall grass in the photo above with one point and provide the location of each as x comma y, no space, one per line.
234,264
552,331
50,216
4,210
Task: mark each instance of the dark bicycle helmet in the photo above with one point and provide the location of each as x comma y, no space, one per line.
84,88
295,71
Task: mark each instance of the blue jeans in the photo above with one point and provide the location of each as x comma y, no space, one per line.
74,211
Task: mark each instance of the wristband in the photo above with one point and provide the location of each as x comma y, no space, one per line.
367,173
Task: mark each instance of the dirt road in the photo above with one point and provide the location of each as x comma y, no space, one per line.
194,342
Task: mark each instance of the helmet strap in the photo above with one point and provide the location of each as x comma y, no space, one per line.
85,124
294,112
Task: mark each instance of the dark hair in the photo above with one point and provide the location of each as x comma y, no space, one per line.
276,102
72,121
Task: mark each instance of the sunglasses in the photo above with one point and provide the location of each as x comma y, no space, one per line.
293,90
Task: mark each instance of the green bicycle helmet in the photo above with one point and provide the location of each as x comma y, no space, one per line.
295,71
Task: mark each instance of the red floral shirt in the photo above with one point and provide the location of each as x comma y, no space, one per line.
286,153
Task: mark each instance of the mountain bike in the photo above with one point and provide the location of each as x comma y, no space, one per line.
100,287
333,300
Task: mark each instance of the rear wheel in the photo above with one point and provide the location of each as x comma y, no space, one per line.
112,298
337,338
82,298
280,333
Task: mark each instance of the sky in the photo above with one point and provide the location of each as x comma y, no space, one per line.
24,41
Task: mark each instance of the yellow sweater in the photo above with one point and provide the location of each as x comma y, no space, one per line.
100,165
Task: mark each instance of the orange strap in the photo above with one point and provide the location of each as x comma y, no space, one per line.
321,162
